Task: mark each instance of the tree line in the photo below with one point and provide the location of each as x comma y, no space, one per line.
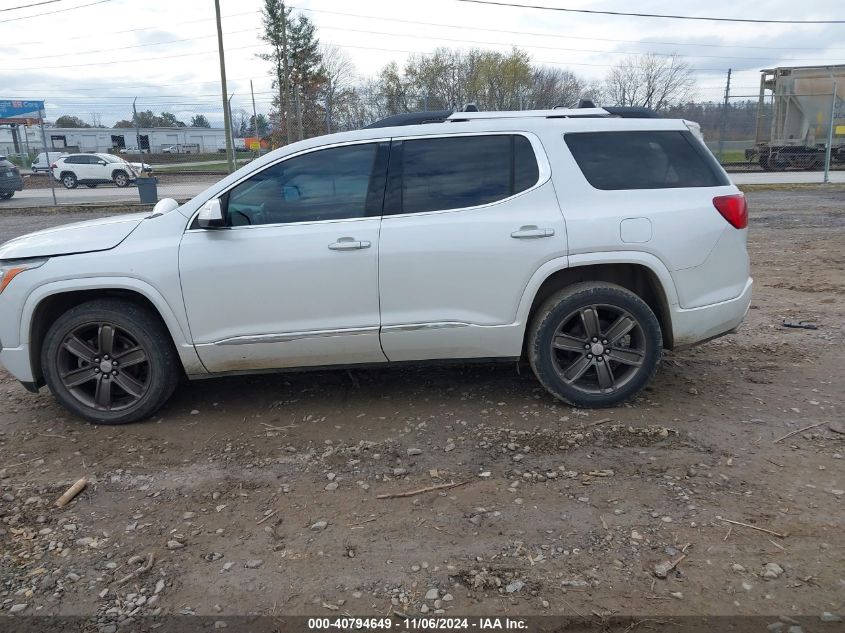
317,89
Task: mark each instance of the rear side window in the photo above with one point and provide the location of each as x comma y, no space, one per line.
664,159
460,171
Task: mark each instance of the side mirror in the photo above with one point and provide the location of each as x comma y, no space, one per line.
211,215
102,162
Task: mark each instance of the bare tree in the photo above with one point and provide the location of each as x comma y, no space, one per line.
96,119
650,81
340,81
552,87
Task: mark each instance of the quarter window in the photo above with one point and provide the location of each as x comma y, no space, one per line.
461,171
329,184
664,159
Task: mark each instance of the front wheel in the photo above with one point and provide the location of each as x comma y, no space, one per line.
595,345
6,195
110,361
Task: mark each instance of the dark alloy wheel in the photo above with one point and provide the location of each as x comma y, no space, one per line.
595,345
110,361
6,195
103,367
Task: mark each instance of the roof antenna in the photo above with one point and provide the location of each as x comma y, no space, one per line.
586,103
470,107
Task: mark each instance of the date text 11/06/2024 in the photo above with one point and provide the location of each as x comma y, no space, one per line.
436,624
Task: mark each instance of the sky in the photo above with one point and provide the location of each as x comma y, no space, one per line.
92,61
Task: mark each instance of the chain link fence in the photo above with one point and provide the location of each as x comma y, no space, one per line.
795,137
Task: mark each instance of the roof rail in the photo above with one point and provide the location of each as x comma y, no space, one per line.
412,118
623,112
557,113
468,114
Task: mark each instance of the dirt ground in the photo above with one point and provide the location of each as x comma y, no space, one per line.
259,495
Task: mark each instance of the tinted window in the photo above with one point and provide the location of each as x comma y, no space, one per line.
75,160
644,160
464,171
329,184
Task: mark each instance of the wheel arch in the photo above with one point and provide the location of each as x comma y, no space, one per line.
649,280
47,303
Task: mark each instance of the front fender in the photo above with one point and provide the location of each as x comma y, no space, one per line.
178,331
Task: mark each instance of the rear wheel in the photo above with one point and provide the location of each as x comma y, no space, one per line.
69,180
6,195
120,178
110,362
595,345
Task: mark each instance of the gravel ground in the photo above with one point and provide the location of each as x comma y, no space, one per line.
259,495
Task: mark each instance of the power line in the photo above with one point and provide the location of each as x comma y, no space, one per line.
27,6
38,15
556,35
651,15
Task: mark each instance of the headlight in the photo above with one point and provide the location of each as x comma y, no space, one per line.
11,268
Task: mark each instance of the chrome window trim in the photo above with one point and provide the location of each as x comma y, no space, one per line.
543,167
273,164
544,170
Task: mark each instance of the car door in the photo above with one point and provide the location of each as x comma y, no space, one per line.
293,281
467,220
88,168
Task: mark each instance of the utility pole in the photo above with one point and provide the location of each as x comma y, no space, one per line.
254,118
52,178
227,119
286,71
723,125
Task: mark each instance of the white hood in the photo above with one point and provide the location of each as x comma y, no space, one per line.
79,237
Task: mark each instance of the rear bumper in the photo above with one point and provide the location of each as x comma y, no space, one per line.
703,323
11,184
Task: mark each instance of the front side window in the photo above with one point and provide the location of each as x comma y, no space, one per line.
329,184
659,159
462,171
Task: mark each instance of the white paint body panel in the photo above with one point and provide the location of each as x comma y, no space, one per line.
445,284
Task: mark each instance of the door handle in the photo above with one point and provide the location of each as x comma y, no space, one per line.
349,244
532,232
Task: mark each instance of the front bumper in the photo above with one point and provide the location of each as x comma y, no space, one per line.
697,325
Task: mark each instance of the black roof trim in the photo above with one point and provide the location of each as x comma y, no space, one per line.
412,118
632,112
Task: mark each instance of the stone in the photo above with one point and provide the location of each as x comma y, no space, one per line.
228,566
159,586
174,544
432,594
319,526
17,608
448,597
255,563
332,485
772,571
737,567
827,616
414,451
72,576
515,586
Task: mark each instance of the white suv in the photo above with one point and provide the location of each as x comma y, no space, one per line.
92,170
585,243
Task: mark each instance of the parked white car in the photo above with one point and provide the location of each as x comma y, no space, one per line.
584,243
92,170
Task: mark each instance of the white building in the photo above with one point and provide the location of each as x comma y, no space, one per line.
187,139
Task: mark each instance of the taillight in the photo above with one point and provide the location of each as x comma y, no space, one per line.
733,208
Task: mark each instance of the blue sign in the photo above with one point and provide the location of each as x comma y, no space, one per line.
12,109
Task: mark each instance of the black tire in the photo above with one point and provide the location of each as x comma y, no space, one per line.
6,195
91,186
69,180
630,364
135,331
120,178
